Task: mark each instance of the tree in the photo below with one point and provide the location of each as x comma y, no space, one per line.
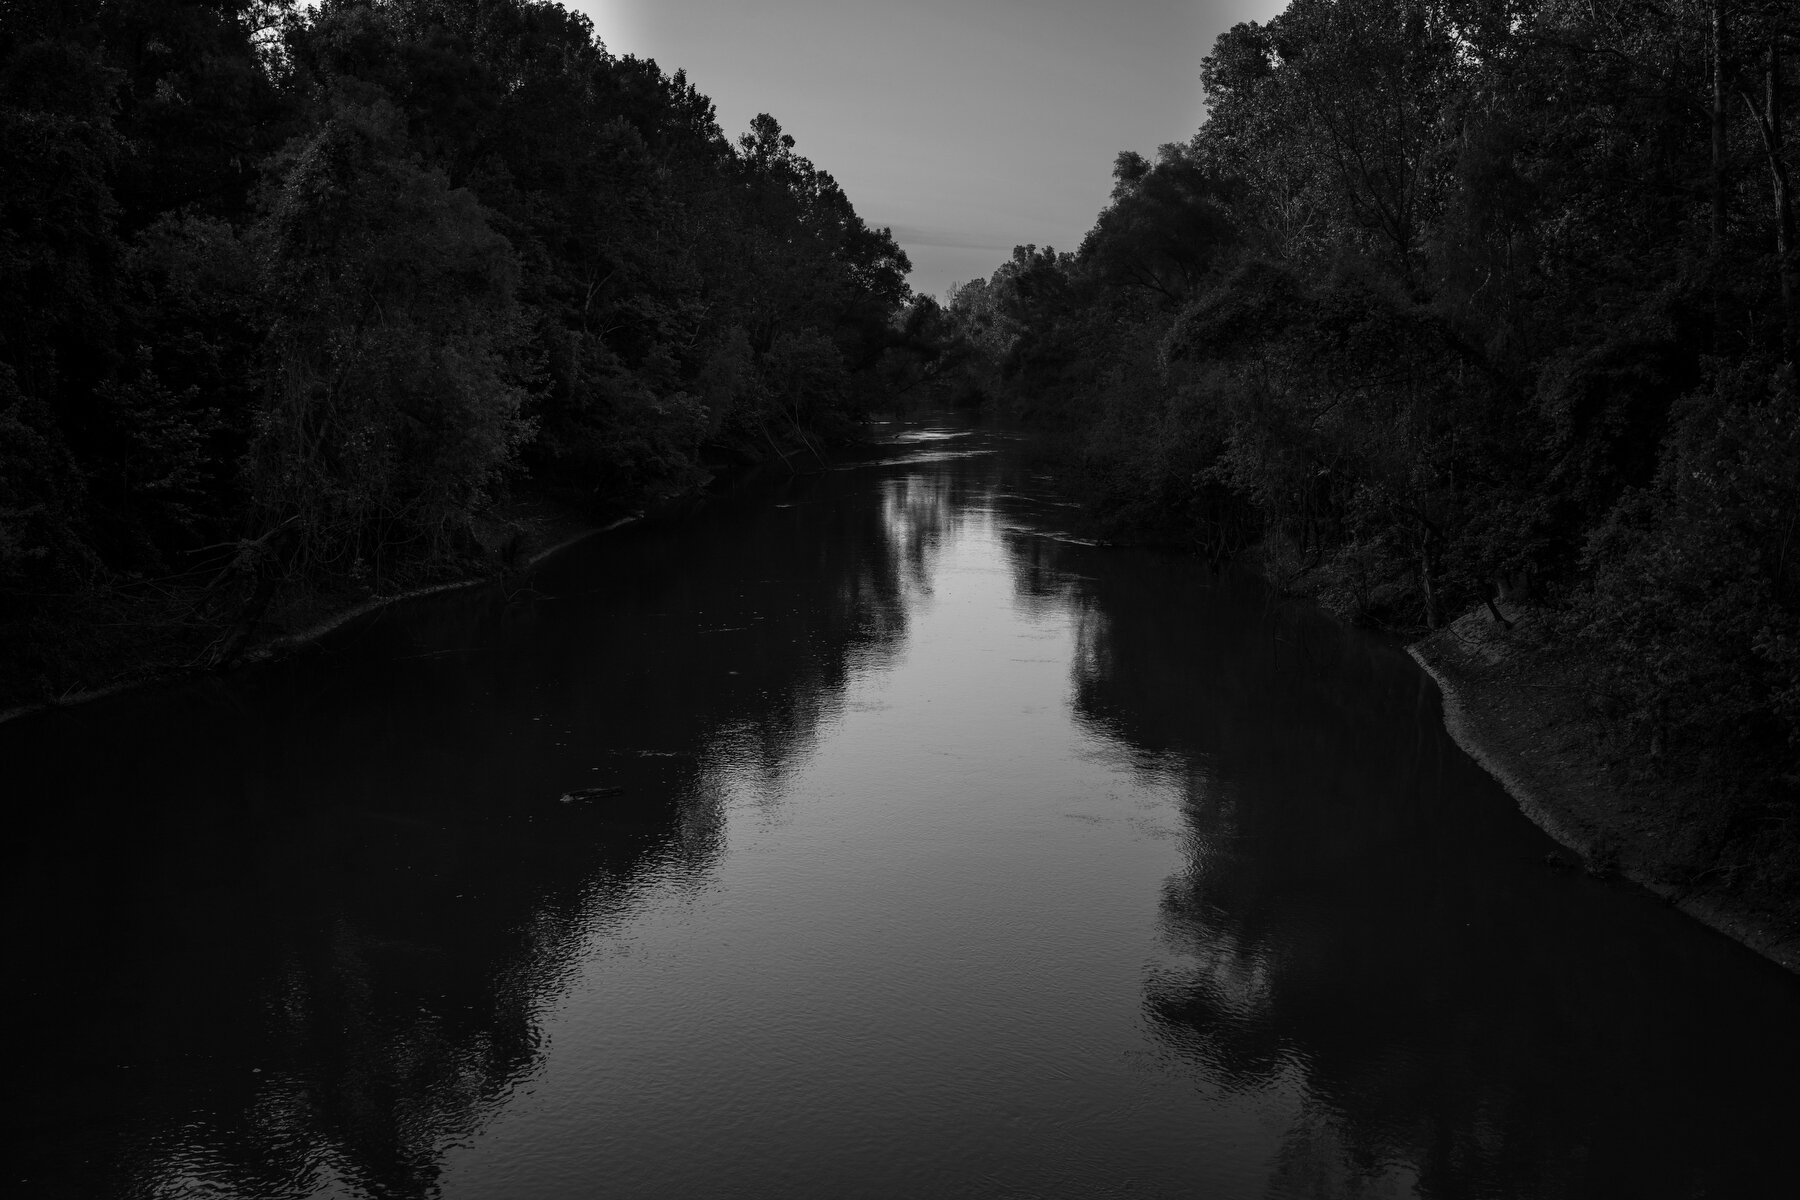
392,399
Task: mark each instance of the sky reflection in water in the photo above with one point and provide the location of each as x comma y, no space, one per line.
954,856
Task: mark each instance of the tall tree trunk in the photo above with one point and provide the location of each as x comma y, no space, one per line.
1427,579
1784,203
1768,118
1719,96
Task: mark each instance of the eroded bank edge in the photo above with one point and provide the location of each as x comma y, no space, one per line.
1510,770
286,644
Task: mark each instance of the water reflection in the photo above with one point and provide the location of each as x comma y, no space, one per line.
294,934
945,854
1362,922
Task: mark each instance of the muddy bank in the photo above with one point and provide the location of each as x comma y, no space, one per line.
1520,704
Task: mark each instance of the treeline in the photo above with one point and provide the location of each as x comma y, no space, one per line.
1452,300
287,297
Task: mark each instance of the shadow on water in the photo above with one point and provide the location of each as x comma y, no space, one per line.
1366,921
294,932
301,932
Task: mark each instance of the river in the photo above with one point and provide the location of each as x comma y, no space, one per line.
937,853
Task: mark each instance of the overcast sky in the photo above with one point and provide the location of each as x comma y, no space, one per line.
968,126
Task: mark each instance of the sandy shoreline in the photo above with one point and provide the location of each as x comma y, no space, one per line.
1519,709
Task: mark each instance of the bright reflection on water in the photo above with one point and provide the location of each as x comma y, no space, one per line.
953,857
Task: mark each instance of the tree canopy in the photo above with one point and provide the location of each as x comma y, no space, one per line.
295,293
1452,300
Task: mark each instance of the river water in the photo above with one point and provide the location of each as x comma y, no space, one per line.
950,856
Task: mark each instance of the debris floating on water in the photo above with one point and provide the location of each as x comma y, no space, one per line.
591,793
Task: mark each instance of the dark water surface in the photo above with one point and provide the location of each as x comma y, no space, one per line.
953,858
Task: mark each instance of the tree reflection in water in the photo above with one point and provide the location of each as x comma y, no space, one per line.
294,933
302,932
1367,925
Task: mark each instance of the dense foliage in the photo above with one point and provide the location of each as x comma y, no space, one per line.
291,295
1456,300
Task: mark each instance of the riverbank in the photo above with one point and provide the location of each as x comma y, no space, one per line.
1521,705
508,543
526,544
166,630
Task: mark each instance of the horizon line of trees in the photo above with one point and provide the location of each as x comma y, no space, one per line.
289,296
1452,301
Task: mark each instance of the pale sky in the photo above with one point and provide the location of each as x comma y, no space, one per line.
968,126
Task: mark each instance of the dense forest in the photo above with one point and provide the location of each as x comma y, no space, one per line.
289,298
1468,301
1445,304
